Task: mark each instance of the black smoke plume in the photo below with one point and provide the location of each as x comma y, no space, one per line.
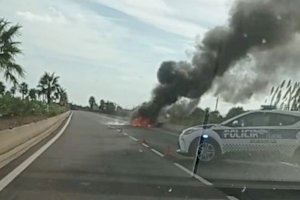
255,26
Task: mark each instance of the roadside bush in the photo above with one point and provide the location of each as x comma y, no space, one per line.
14,106
55,109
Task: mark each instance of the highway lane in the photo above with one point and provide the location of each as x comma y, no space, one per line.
231,167
244,176
93,161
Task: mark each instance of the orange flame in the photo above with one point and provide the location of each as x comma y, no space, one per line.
141,122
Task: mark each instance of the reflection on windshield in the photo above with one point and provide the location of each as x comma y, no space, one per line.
79,114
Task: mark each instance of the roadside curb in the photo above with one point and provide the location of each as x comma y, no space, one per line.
19,169
25,137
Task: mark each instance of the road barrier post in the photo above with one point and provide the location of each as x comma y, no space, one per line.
200,142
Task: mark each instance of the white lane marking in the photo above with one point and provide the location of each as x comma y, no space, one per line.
133,138
290,164
203,180
199,178
232,198
14,173
145,145
157,152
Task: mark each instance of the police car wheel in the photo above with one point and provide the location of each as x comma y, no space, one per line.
210,150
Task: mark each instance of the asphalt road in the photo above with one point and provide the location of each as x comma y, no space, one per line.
96,159
243,176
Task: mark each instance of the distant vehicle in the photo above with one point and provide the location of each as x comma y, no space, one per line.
270,131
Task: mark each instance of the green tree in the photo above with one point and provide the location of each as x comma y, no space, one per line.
102,105
23,89
215,117
48,85
234,112
2,88
92,102
62,96
110,108
8,50
13,90
32,94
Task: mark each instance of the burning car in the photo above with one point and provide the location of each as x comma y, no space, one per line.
141,122
270,131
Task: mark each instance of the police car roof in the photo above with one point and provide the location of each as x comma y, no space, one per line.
284,112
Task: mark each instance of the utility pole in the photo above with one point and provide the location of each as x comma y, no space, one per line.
217,102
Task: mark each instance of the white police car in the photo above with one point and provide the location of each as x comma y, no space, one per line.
263,130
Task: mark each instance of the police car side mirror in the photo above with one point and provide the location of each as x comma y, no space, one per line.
235,123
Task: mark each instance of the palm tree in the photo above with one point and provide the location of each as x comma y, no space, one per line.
287,97
42,87
48,85
32,94
23,89
2,88
61,96
8,50
92,102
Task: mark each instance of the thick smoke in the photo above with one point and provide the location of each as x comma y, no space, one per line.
263,70
255,27
182,108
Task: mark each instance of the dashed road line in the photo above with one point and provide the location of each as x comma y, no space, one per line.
203,180
232,198
133,138
199,178
183,168
290,164
19,169
145,145
157,152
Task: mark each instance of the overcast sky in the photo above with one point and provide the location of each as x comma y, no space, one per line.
110,49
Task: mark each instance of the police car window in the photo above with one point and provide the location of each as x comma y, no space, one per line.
252,119
282,120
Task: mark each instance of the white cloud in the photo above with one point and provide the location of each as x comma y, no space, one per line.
58,37
57,18
83,35
159,14
95,55
185,18
163,49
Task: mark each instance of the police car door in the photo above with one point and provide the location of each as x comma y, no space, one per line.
283,133
246,133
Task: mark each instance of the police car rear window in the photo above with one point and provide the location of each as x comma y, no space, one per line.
281,119
265,119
